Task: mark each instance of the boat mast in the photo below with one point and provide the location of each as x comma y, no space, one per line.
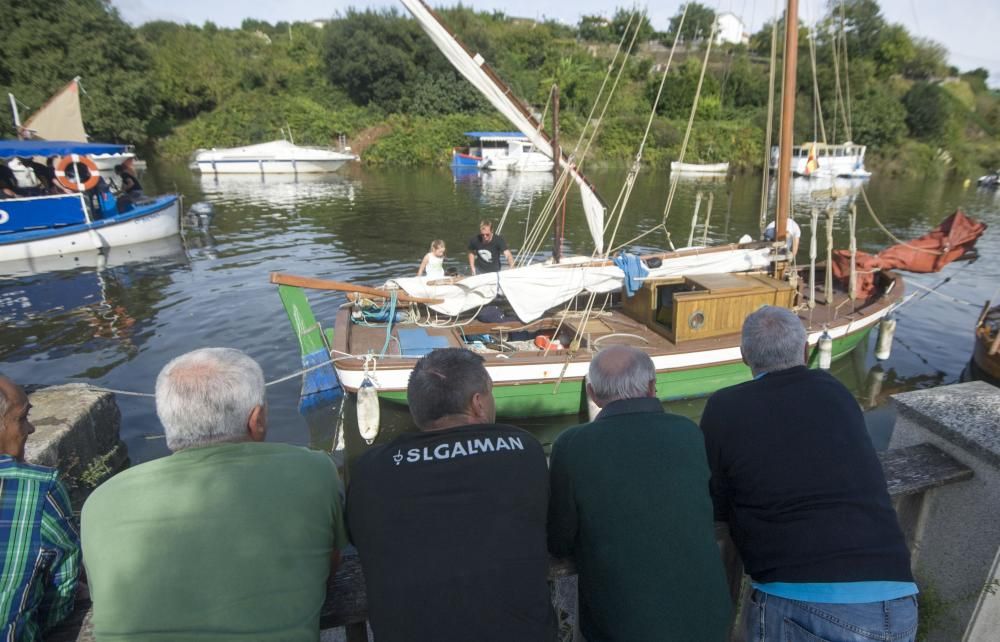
787,119
556,151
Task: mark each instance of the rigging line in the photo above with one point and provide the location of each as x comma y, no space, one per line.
847,69
629,184
816,98
947,297
871,210
687,133
604,83
769,129
611,93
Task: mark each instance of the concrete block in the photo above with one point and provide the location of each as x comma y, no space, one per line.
957,536
76,431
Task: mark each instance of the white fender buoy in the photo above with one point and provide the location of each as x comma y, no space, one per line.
886,331
825,346
368,411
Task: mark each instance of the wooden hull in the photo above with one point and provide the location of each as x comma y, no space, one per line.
986,351
530,383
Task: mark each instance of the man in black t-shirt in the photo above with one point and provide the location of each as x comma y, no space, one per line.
485,249
449,521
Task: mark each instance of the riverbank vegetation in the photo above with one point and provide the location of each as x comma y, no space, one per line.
377,80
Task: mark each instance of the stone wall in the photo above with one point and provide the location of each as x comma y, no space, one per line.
76,431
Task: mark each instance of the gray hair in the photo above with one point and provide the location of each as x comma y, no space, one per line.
206,396
443,382
620,372
773,339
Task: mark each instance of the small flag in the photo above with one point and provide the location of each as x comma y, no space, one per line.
811,163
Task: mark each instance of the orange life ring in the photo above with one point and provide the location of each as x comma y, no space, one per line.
72,181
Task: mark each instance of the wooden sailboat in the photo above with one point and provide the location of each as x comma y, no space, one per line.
686,314
986,350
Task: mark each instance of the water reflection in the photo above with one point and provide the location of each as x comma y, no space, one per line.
118,323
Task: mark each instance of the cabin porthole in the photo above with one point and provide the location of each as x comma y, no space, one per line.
696,320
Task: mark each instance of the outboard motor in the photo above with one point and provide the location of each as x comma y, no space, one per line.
200,214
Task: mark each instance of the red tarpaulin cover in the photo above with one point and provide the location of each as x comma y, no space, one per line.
955,236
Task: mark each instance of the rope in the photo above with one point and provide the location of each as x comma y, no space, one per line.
769,130
302,371
871,210
626,192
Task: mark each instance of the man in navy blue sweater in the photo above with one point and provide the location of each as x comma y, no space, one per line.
796,478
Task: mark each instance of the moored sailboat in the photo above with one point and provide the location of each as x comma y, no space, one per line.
683,307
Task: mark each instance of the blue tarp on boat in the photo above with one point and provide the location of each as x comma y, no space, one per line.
15,148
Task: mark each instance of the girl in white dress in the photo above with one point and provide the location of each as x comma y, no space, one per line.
433,263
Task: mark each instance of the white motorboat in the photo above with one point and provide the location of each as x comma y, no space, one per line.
275,157
820,160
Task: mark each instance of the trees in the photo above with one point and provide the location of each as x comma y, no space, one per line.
42,49
697,24
928,110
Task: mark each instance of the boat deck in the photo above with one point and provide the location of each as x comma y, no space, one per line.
506,340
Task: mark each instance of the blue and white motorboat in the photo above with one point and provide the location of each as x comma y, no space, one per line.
501,152
33,226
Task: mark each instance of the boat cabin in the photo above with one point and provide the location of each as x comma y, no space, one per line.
704,306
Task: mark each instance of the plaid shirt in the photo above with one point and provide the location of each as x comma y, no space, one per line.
40,550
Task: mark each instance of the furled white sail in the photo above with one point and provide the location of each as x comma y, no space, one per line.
60,118
471,66
533,289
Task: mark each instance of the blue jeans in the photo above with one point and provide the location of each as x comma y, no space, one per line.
775,619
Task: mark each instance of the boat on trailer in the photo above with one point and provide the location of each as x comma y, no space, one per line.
275,157
88,220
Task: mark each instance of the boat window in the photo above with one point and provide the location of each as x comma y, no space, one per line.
526,149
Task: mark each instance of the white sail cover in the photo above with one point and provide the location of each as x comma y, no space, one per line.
60,118
471,67
534,289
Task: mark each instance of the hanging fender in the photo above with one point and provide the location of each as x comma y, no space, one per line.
368,411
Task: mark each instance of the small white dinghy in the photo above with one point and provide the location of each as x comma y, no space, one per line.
699,168
275,157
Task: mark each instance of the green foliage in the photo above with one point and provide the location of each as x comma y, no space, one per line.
258,116
928,110
879,120
418,140
681,89
697,23
45,45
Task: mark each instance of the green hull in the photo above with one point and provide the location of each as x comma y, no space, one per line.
545,400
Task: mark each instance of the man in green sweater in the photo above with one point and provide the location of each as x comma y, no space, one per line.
629,503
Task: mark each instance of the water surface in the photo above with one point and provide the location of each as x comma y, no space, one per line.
117,321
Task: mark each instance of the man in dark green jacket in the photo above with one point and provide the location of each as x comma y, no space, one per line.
629,503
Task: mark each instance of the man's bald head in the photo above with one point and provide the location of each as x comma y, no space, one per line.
620,372
14,424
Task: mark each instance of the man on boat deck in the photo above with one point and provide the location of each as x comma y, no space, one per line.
226,538
796,477
40,543
449,521
793,234
630,505
485,249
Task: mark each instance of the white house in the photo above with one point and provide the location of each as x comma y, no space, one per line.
730,30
